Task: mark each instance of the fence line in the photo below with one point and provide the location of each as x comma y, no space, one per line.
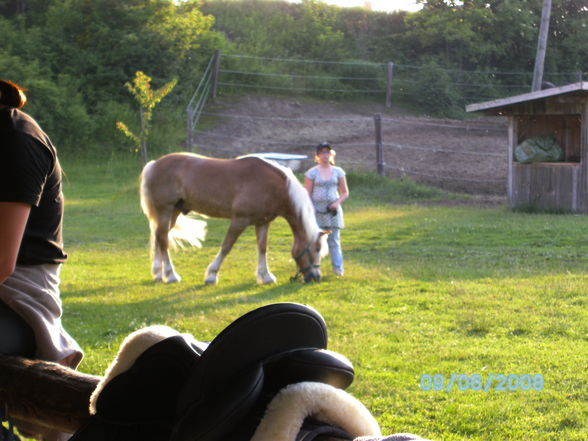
397,79
321,77
253,140
507,86
433,124
436,150
288,75
386,166
277,118
352,91
347,119
349,144
300,89
383,65
443,178
300,60
284,143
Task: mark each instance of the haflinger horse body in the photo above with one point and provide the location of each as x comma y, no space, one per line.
247,190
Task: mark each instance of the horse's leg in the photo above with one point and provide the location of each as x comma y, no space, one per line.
157,269
263,273
164,225
235,229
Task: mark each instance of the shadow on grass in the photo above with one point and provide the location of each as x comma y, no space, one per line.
160,307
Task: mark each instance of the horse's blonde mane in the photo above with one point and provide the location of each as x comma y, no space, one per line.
299,198
302,205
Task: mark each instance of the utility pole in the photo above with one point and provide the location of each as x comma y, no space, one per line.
389,85
541,46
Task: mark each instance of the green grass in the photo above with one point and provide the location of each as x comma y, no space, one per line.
428,290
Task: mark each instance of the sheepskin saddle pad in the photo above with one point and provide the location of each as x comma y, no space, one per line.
167,386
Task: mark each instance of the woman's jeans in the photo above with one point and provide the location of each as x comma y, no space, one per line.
334,241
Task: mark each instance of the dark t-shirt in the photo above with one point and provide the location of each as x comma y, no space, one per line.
30,173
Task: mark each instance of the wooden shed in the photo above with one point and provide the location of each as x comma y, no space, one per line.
561,112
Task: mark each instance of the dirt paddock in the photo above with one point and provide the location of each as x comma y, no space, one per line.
462,156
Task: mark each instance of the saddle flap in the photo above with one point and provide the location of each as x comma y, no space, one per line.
143,393
251,339
213,418
307,364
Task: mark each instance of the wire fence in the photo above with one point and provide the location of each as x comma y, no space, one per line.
349,79
460,155
198,101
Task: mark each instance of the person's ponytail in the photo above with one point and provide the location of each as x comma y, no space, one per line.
12,95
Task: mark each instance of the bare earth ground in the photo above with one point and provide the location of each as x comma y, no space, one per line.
461,156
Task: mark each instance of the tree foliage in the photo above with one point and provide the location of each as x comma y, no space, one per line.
75,56
147,98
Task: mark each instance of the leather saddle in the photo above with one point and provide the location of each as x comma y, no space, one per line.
177,391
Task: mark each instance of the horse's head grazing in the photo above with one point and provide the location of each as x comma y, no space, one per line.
308,257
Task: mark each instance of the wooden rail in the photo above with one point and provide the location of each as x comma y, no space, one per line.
45,393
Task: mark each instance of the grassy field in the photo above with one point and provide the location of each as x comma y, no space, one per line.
430,289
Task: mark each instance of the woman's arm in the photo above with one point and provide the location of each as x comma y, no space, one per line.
343,193
13,220
308,184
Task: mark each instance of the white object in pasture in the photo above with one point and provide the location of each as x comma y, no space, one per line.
290,160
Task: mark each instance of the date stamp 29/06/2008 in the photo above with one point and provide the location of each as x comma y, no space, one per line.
476,382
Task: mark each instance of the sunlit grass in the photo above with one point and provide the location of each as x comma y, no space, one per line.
428,290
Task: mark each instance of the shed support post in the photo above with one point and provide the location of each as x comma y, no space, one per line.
583,176
512,143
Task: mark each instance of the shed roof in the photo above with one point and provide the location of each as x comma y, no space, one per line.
495,106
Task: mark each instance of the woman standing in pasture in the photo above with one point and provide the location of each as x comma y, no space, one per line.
31,247
327,186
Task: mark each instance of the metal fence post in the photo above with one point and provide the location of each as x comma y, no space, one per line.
215,72
190,134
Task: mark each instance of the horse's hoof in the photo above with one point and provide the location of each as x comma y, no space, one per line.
267,280
174,278
211,277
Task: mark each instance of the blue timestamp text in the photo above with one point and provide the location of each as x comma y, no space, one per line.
479,383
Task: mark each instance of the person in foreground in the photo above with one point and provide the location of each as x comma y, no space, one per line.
31,246
327,186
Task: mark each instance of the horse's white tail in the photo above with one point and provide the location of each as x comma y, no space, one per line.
186,230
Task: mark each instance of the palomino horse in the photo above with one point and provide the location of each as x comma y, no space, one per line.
247,190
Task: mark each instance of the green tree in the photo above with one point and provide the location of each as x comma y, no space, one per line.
103,42
147,98
434,91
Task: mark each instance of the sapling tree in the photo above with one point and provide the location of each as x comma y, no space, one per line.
147,98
